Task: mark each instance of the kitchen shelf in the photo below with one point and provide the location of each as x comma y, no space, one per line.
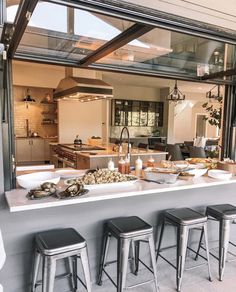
43,123
48,113
47,102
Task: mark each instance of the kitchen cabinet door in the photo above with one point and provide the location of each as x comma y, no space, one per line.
37,149
23,150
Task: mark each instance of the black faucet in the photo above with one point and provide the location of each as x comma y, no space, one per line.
120,145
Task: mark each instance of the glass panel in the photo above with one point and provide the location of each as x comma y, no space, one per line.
12,7
68,35
136,113
163,50
151,114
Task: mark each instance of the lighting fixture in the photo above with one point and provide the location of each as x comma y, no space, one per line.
214,93
175,95
28,97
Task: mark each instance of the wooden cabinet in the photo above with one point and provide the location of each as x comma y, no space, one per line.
29,149
137,113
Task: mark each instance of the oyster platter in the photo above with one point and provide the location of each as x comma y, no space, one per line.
79,186
102,178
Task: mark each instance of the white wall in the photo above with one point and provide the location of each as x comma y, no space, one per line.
221,13
76,118
136,92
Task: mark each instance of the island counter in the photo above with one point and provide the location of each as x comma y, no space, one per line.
88,214
97,156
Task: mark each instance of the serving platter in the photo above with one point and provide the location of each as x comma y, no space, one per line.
106,185
70,173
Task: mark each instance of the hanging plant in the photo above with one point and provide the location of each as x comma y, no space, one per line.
214,111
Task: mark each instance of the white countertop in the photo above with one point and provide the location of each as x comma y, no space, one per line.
17,200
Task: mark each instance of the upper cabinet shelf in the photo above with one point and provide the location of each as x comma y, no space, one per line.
137,113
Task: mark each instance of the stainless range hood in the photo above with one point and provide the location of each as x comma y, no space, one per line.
83,89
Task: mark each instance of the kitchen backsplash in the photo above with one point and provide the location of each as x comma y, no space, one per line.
134,131
33,111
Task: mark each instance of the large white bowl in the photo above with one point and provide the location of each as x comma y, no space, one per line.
219,174
35,179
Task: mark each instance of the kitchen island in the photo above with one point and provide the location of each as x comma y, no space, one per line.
88,213
88,156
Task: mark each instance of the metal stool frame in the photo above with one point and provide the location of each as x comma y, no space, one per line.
224,235
182,247
124,244
49,268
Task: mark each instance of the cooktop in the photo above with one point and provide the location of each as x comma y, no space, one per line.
83,147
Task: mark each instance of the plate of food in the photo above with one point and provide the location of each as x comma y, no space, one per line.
103,178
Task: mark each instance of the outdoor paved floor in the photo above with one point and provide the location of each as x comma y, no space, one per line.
195,280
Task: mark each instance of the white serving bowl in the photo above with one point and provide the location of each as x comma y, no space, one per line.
219,174
35,179
197,172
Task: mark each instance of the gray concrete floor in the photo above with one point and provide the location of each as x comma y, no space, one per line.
195,280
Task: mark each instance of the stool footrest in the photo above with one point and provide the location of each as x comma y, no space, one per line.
140,284
58,277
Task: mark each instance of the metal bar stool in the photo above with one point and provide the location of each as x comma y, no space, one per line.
129,232
225,214
59,244
184,219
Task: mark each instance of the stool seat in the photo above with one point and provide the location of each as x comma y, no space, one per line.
224,211
58,241
129,226
185,216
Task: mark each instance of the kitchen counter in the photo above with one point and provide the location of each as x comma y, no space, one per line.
17,200
69,157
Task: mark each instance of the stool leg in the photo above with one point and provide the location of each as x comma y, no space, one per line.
207,250
160,240
153,260
182,240
223,246
105,246
122,263
75,273
36,264
199,245
49,271
85,266
136,250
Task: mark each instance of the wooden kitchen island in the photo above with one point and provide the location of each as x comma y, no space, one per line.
88,156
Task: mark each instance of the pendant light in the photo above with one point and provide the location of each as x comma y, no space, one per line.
28,97
175,95
214,93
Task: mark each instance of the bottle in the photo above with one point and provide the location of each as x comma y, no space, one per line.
127,165
138,167
121,166
111,165
150,162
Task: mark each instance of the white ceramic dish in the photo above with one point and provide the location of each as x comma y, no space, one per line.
161,177
197,166
70,173
197,172
35,179
219,174
182,165
111,185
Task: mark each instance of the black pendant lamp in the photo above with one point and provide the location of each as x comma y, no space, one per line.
175,95
28,97
214,93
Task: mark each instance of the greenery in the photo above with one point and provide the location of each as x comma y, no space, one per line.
214,111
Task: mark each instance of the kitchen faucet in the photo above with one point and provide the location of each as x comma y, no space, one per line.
121,140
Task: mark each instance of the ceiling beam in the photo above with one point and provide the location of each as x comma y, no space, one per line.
117,42
21,21
220,74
